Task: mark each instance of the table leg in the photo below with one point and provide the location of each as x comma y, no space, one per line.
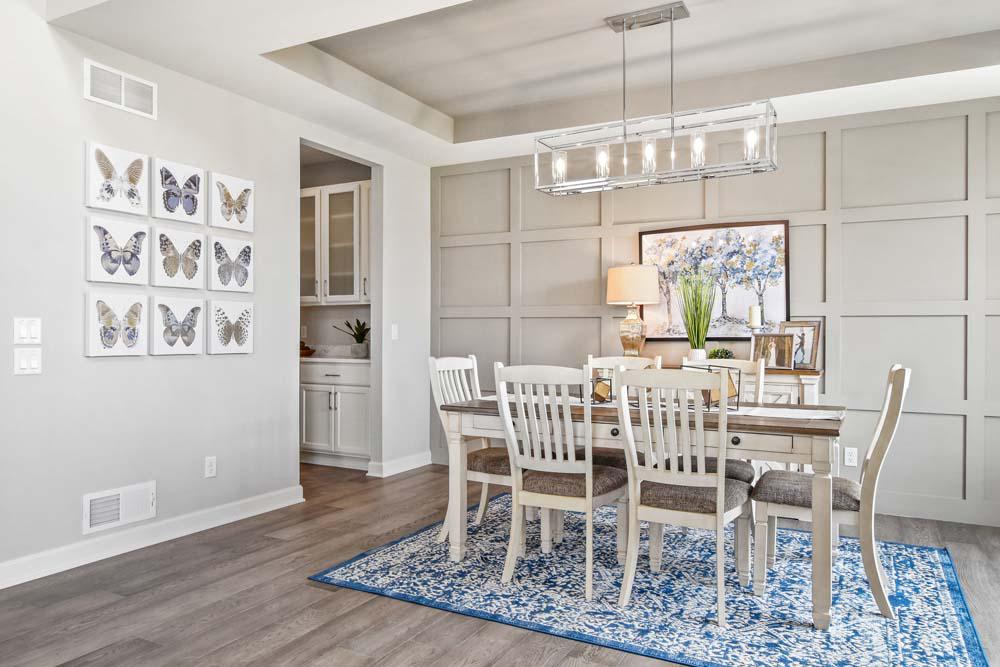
822,538
458,500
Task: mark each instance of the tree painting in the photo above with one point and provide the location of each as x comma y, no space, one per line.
746,261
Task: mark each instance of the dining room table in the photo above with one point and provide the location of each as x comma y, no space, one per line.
806,435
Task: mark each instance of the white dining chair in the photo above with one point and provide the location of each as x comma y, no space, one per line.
749,370
606,367
453,380
668,479
547,469
781,493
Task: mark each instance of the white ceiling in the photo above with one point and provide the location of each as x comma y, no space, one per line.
497,54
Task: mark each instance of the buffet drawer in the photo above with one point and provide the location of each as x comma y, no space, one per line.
335,373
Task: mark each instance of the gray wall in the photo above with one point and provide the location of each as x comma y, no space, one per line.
895,236
91,424
330,173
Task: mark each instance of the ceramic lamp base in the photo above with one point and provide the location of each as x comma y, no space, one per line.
632,332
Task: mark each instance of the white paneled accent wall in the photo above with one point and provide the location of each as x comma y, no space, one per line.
894,241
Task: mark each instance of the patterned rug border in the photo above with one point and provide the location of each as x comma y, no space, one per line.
970,634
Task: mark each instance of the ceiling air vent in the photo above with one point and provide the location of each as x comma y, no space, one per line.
110,87
117,507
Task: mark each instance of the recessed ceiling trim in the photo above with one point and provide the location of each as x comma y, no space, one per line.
648,17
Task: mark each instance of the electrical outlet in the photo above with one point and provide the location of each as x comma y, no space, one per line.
210,469
851,457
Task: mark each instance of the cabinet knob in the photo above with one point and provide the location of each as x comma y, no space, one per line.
615,431
736,441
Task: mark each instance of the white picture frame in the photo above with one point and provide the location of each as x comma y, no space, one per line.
181,187
232,325
177,325
229,257
117,250
106,327
232,198
116,179
179,251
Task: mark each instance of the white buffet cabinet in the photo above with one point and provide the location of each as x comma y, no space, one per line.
335,412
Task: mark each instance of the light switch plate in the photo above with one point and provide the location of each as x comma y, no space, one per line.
211,469
394,331
27,361
27,331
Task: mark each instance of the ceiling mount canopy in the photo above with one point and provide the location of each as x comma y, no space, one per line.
673,147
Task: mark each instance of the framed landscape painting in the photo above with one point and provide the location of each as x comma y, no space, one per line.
748,262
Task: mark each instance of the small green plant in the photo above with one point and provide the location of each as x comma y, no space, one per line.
697,301
721,353
358,331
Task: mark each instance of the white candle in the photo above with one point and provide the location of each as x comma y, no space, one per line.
754,317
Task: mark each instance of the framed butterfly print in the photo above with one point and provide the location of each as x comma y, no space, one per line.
116,179
231,324
178,192
117,251
178,258
232,203
115,324
177,325
232,264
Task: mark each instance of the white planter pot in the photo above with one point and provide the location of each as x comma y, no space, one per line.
697,354
359,350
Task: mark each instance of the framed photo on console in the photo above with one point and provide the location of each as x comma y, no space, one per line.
805,348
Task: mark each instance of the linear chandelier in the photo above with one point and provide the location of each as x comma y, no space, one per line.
732,140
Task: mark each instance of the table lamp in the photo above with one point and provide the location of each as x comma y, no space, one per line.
633,286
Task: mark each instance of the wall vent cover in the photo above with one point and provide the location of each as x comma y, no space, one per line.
114,88
117,507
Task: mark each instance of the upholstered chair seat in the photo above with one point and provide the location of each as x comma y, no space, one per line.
491,461
700,499
786,487
572,485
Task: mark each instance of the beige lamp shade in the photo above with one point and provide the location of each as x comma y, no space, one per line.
637,283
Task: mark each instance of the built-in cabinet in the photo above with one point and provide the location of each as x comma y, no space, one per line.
333,241
335,413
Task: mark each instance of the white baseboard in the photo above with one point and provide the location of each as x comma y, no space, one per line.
334,460
396,466
44,563
439,455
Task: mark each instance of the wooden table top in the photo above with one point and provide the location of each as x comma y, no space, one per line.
744,423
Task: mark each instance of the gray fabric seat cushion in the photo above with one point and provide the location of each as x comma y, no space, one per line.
788,487
492,461
574,485
700,499
608,456
735,468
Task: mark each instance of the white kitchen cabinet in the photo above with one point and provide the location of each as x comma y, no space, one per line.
335,418
333,241
350,421
316,427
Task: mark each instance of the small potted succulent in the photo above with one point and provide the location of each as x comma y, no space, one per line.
359,332
721,353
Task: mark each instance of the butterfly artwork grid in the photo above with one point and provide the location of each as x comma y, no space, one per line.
232,203
179,192
116,179
232,262
117,251
179,258
116,324
231,324
177,325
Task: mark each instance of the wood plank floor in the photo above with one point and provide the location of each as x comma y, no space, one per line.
238,594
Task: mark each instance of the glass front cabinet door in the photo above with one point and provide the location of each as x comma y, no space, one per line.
333,239
310,265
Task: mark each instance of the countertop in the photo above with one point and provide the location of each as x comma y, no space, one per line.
333,360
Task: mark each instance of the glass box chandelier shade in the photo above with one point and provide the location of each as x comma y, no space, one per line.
673,147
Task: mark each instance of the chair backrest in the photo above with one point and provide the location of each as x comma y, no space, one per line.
892,408
667,401
612,364
453,380
754,369
542,410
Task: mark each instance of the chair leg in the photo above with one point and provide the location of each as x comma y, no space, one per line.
760,550
835,541
589,589
873,565
560,525
530,513
772,541
720,574
524,532
743,524
655,546
621,520
515,541
484,502
631,555
443,535
547,530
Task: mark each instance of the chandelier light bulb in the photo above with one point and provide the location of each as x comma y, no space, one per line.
559,167
751,140
648,156
698,149
603,161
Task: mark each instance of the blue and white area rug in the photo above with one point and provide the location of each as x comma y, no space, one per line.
672,613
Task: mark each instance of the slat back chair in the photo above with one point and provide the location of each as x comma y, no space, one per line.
671,483
754,369
454,380
608,365
547,468
789,494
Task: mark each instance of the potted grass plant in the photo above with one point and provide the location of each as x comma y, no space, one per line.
697,291
359,332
